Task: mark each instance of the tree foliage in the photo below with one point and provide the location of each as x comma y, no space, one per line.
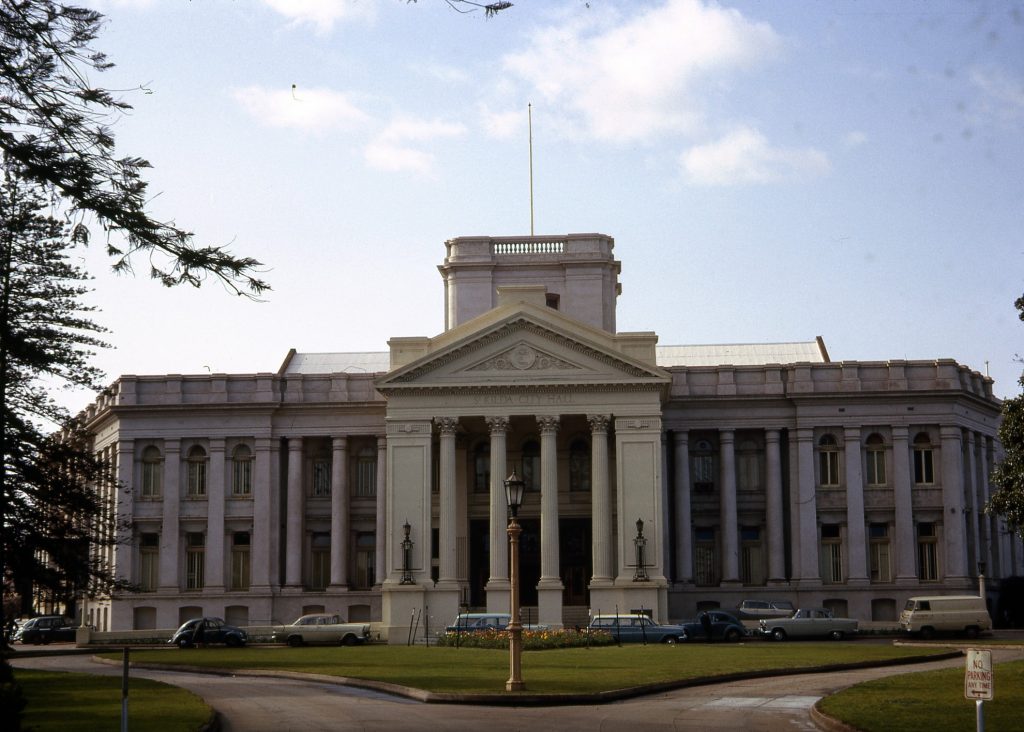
55,124
1007,500
53,523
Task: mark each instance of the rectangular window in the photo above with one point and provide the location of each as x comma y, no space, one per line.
829,467
240,567
195,560
196,478
320,561
241,478
927,554
321,478
876,467
924,473
881,564
366,552
748,469
149,562
703,467
705,560
751,556
366,475
831,554
152,473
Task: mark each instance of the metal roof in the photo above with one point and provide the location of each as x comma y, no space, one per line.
370,362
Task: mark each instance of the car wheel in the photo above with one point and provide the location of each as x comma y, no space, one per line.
732,635
927,633
45,640
836,635
233,641
779,634
348,640
184,643
972,632
295,641
669,640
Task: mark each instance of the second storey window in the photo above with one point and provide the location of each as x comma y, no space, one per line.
321,477
924,469
702,467
241,471
579,466
828,461
196,486
875,460
531,465
482,468
152,472
366,472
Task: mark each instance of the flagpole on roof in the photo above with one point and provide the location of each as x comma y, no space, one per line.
529,114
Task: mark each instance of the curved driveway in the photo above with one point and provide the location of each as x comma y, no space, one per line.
254,704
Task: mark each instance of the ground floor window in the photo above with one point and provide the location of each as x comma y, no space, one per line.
366,552
240,567
881,564
927,553
195,561
320,561
705,557
831,554
149,562
751,556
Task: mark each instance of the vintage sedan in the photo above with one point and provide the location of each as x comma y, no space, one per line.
637,629
723,626
322,628
814,622
46,629
203,631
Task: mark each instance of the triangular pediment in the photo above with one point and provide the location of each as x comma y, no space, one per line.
523,347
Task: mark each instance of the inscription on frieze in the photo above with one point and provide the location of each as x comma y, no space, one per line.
522,400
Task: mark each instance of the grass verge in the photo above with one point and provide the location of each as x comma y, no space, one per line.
71,702
566,671
928,701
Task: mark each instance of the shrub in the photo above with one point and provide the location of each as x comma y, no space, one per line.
533,640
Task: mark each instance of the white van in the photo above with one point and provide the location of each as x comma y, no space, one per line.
946,613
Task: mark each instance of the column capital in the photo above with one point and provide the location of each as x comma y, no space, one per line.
772,435
447,425
727,435
497,425
340,442
294,444
548,422
681,438
598,422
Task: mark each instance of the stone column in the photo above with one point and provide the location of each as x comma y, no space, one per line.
447,554
988,523
807,510
906,543
600,502
727,508
171,557
773,508
974,506
215,518
549,588
380,566
856,540
953,500
339,513
293,521
262,519
497,584
125,550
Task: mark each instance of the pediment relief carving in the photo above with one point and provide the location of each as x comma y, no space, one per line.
524,357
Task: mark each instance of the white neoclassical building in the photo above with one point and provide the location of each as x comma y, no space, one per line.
757,471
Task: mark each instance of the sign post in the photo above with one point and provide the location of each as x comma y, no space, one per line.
979,683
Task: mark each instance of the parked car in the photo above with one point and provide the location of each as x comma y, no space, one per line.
322,628
761,609
637,629
933,614
723,627
479,622
46,629
208,630
815,622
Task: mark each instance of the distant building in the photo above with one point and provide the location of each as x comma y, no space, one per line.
758,471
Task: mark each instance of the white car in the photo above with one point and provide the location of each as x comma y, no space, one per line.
322,628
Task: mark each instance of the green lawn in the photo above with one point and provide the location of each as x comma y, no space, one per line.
929,701
576,670
68,702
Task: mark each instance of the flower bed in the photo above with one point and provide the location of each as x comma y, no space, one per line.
533,640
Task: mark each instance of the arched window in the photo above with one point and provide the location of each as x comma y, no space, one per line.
531,465
152,472
828,461
482,468
196,472
241,471
579,465
875,459
924,468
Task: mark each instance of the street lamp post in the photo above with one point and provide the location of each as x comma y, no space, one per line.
406,556
981,579
640,545
514,488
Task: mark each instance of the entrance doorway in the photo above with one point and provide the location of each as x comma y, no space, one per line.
574,552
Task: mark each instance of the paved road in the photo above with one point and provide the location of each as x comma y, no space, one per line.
249,704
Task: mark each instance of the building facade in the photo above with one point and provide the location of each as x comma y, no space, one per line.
666,479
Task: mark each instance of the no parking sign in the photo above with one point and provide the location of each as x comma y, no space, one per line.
979,682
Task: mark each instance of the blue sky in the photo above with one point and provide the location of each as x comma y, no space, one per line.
771,171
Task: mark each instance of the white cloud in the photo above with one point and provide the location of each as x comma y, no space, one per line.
502,125
628,80
1002,95
323,14
390,151
744,156
312,110
855,138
